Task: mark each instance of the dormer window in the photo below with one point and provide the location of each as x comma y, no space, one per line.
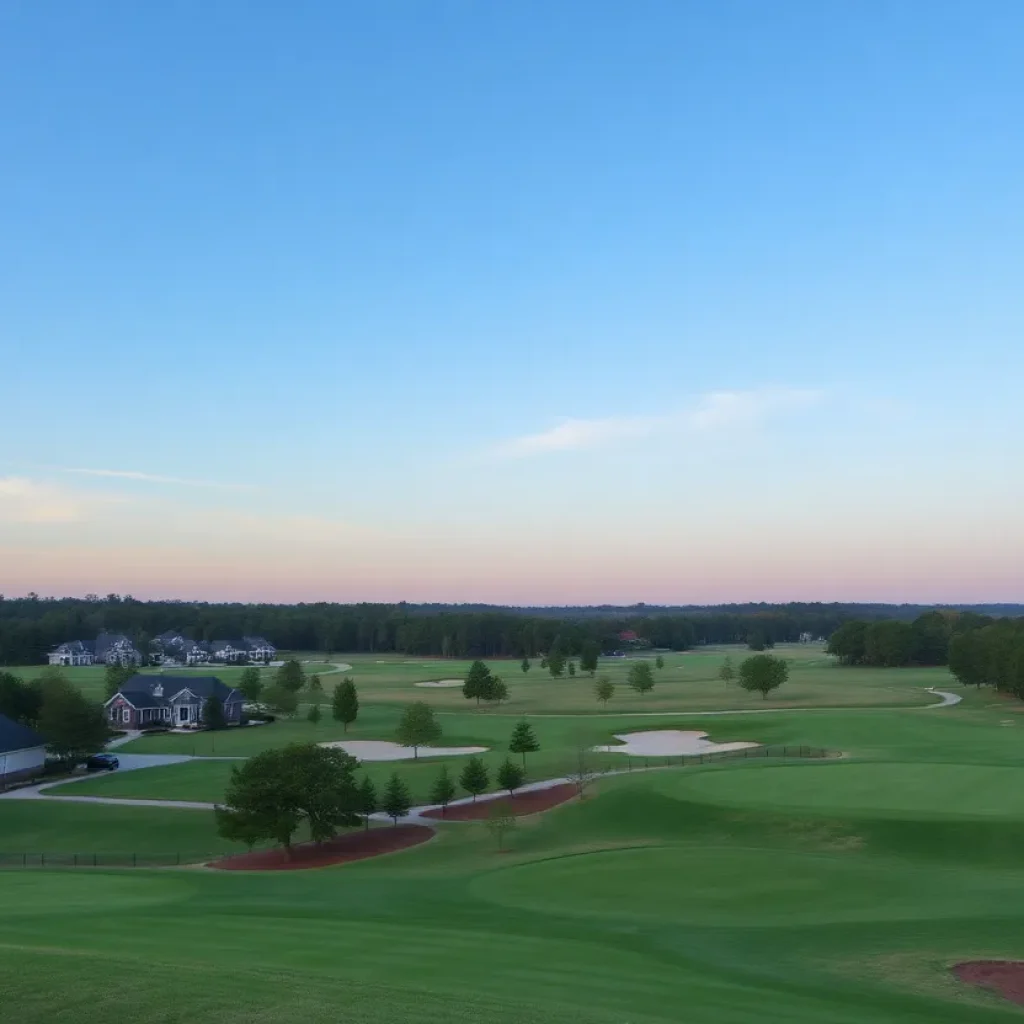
158,690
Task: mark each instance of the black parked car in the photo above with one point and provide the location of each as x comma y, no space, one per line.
102,763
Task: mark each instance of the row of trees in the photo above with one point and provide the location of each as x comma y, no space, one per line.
31,626
892,644
276,792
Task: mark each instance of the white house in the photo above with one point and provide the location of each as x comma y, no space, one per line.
72,654
22,752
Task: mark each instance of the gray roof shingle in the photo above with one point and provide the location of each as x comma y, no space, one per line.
15,736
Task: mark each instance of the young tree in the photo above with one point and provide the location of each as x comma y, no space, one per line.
345,702
500,822
583,772
273,792
250,685
443,790
498,690
367,804
727,673
523,740
397,801
604,689
510,776
291,676
588,657
659,662
556,658
72,726
213,713
281,699
572,669
316,686
525,665
478,682
313,714
418,727
544,662
763,673
641,677
474,778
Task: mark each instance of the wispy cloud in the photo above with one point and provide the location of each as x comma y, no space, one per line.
30,501
154,478
716,411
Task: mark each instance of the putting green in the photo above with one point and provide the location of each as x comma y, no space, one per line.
874,789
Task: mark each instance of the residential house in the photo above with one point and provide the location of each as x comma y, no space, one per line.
179,701
259,648
172,648
232,652
73,654
116,649
22,752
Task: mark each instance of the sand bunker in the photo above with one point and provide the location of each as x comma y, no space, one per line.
437,683
383,750
668,743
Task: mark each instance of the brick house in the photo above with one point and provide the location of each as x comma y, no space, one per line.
178,701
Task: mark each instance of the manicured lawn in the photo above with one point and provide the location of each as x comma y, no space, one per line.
33,827
629,906
688,682
831,892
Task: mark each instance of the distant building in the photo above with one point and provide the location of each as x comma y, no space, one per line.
73,654
172,648
116,649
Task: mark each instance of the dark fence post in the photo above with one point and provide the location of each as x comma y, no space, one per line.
95,860
134,860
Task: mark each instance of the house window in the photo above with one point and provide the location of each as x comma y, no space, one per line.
126,715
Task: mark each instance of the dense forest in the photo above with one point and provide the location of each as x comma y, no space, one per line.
979,649
30,626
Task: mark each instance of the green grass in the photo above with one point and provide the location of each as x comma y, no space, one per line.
689,681
61,828
814,893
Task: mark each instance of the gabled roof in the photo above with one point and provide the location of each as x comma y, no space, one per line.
139,690
256,641
76,647
15,736
107,640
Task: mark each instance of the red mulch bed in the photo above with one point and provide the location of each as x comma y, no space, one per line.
1003,976
340,850
522,803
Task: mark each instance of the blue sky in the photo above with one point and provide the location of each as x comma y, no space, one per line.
664,301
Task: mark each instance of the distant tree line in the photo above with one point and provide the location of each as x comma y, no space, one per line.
891,643
31,626
980,650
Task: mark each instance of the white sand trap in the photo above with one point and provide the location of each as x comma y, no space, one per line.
441,683
383,750
668,742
